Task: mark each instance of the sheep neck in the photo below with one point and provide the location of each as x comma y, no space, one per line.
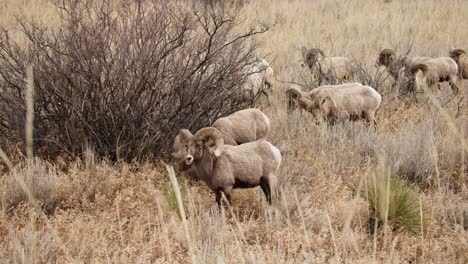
204,168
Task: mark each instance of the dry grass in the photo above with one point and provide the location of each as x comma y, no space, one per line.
123,212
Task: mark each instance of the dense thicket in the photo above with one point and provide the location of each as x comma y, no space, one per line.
123,76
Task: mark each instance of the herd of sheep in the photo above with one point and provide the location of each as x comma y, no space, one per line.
234,151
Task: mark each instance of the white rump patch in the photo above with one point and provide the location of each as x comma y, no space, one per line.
276,152
267,120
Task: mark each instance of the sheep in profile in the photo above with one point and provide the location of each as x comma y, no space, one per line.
459,56
434,71
240,127
404,67
328,68
297,99
338,103
259,79
224,167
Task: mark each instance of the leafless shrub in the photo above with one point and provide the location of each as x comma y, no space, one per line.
124,76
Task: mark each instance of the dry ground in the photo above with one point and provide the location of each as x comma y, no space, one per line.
126,212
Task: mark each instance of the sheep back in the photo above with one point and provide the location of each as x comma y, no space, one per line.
242,166
243,126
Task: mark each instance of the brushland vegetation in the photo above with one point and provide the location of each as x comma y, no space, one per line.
98,189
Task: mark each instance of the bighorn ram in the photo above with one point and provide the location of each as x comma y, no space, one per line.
259,78
459,56
352,101
296,97
438,69
224,168
325,68
240,127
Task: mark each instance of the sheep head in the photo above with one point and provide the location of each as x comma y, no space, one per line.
207,141
321,107
456,54
293,94
386,57
311,56
181,144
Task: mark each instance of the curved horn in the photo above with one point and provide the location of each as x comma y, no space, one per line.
415,68
211,133
180,142
458,52
321,52
304,51
293,91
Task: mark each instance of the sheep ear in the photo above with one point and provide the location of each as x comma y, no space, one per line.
328,103
321,52
304,52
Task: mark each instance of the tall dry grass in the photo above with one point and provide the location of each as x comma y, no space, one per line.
102,212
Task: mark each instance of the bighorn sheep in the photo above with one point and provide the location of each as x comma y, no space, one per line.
459,56
325,68
295,95
224,168
240,127
352,101
259,78
438,69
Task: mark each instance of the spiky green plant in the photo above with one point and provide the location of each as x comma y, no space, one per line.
395,204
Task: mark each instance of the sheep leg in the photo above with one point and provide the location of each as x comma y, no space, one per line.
453,84
266,190
228,193
370,120
218,197
268,187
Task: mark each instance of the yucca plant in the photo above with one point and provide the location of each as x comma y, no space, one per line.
394,203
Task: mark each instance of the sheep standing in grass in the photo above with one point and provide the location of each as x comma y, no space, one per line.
259,79
238,128
330,69
339,103
459,56
224,168
403,69
297,99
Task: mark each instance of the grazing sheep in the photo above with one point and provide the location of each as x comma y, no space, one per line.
442,69
334,103
328,68
224,168
259,79
402,68
240,127
459,56
296,97
395,65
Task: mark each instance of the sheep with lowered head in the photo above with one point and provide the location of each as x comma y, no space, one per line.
259,79
338,103
328,68
459,56
404,67
224,167
432,72
297,99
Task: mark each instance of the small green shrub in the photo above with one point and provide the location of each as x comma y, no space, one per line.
394,203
